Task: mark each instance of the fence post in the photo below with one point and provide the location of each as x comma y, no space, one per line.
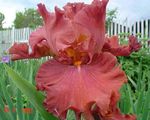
12,35
118,28
111,29
146,29
142,28
134,28
115,30
138,28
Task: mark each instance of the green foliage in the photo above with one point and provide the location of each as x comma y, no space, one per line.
36,98
29,18
110,16
2,17
15,99
136,93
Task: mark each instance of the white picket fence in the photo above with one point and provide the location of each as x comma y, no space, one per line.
15,35
8,37
140,28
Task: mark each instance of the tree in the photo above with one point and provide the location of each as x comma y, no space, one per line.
2,17
110,16
29,18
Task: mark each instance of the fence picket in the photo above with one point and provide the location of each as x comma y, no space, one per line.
142,28
111,29
134,28
146,28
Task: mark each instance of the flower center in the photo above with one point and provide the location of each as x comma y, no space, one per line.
74,55
78,57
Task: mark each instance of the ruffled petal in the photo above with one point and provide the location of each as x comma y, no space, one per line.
21,51
112,45
47,16
59,30
36,37
116,115
71,9
92,17
114,112
78,88
37,47
134,44
64,27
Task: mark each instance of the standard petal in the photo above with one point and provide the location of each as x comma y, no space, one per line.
78,88
36,37
71,9
59,30
64,27
44,13
92,17
112,45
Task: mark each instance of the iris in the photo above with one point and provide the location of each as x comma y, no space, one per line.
5,59
84,74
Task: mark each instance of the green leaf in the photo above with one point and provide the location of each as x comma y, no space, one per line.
71,115
130,99
2,113
139,102
146,111
8,100
36,98
19,105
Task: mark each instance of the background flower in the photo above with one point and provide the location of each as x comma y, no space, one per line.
5,59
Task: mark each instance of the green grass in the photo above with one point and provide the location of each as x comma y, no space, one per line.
136,93
12,96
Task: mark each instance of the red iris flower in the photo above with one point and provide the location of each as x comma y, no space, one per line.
84,74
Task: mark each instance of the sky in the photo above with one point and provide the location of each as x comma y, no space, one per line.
131,10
